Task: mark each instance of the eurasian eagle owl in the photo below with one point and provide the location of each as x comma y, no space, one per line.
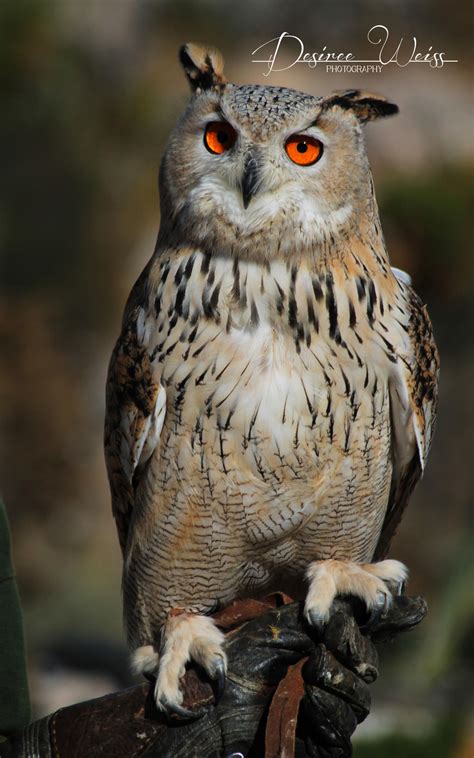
272,395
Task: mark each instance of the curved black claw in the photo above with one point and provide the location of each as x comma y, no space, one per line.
379,611
316,620
219,680
401,587
173,709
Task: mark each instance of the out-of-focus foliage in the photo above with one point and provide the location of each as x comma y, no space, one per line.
429,220
75,196
72,176
89,92
440,743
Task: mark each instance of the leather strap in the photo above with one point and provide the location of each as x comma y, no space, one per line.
280,732
241,611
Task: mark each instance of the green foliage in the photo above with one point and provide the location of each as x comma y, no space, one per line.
430,215
77,136
437,744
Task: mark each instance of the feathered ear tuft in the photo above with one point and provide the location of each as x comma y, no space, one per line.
367,106
203,66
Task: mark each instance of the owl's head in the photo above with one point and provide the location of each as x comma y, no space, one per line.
259,171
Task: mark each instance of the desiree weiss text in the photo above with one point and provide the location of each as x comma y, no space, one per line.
292,48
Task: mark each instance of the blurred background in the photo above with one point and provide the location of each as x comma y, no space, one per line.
90,90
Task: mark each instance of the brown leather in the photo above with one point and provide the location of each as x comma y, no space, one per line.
241,611
280,732
121,724
127,723
91,728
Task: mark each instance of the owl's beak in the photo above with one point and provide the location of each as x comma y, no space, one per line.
250,179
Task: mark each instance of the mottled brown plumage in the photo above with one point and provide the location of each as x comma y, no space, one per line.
272,395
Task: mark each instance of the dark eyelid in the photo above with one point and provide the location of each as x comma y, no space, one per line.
308,126
219,116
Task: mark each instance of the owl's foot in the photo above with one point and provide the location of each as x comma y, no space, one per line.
372,582
185,637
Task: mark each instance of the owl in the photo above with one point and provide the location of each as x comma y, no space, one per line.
272,395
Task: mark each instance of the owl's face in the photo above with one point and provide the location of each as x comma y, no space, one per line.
261,170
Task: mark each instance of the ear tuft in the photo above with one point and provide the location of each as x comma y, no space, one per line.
366,106
203,66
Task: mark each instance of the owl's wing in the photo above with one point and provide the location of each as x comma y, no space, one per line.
413,405
135,412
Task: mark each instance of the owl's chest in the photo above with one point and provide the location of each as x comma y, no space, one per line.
273,370
273,437
264,406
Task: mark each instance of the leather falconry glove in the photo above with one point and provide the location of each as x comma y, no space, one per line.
290,690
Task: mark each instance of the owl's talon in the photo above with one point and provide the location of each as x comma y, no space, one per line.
382,602
401,587
369,581
185,637
380,608
219,680
173,709
317,620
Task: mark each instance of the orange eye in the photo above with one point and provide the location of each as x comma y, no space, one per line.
219,137
303,150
